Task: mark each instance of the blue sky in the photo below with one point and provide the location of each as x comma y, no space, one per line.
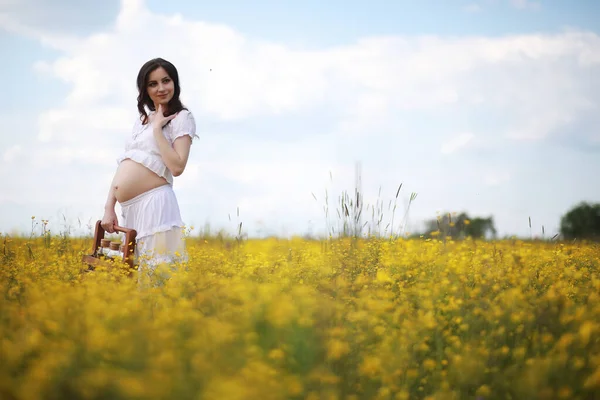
317,23
489,107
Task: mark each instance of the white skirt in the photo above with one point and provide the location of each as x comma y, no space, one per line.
157,220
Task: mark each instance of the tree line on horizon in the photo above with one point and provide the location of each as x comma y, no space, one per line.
581,222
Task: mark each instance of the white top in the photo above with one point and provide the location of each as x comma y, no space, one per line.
141,146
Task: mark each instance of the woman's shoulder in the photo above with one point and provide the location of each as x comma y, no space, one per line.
184,118
183,124
184,114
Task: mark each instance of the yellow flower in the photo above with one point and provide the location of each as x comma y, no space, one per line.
593,381
402,395
276,354
412,373
337,349
131,386
273,306
429,364
281,311
382,276
565,393
294,386
370,366
585,331
484,391
519,353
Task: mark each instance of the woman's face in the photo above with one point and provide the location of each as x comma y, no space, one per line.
160,87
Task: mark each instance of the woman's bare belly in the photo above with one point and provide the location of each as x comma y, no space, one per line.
133,179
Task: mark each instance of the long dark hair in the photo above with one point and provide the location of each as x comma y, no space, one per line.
144,100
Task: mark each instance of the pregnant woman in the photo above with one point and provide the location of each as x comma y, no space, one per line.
155,152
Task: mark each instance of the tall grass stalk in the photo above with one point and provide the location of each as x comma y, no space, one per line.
351,209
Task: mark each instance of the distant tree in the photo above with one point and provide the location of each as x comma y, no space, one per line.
581,222
460,226
480,227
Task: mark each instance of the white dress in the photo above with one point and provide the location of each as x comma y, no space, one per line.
155,214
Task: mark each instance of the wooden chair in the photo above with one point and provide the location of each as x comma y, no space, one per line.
95,258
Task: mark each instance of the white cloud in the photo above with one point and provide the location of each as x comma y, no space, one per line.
456,143
472,8
12,153
526,4
83,124
477,6
496,178
274,120
56,16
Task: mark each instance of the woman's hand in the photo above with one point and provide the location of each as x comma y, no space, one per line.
109,221
159,119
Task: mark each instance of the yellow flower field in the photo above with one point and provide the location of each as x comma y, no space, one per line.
298,319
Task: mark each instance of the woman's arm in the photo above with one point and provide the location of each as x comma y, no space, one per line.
176,157
109,220
111,200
